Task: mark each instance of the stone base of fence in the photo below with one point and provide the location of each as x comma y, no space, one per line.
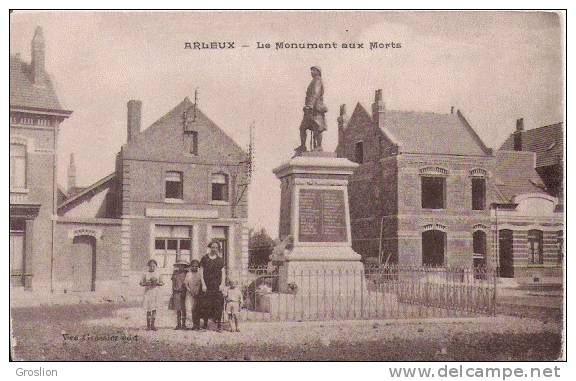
334,277
325,306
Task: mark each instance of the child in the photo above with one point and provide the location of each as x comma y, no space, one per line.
233,304
151,282
193,284
178,298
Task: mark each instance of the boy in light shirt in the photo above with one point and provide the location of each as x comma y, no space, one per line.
193,284
233,305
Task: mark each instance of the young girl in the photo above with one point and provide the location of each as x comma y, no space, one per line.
151,282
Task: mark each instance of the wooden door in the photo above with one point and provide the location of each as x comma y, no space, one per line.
506,254
16,258
84,264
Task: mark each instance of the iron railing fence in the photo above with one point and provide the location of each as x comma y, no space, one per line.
374,292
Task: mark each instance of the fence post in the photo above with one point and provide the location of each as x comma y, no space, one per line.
495,292
362,293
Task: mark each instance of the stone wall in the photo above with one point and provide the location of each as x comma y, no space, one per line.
106,233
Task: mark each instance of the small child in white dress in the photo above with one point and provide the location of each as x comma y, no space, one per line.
151,282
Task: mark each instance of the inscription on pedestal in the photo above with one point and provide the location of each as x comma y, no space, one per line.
322,215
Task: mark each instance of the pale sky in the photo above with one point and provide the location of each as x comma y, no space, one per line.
493,66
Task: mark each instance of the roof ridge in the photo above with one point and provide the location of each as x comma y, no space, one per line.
87,189
421,112
538,129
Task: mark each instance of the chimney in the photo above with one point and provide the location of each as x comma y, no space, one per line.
71,174
518,134
378,106
38,57
134,118
342,123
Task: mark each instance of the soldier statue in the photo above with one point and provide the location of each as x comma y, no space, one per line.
314,110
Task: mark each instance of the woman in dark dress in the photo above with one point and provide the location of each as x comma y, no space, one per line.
213,276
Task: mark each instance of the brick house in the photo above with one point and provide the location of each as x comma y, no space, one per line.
177,184
422,192
547,143
527,215
35,118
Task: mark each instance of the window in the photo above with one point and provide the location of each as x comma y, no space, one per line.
479,244
560,237
359,152
174,185
478,194
192,142
433,192
535,254
17,234
17,166
219,187
220,234
171,244
433,247
479,253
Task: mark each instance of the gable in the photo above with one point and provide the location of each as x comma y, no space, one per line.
536,204
361,128
165,140
24,93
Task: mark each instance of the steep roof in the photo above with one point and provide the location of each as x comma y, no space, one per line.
83,191
25,93
163,137
428,132
547,142
515,174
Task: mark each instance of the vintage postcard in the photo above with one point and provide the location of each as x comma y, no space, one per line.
287,185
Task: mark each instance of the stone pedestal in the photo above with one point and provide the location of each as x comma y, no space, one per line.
317,255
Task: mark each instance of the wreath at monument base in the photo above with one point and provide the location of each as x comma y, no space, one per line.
292,288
